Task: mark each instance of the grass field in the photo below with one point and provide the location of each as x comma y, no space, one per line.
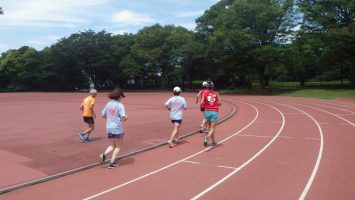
321,93
321,90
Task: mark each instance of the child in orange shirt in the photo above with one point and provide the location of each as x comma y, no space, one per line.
87,107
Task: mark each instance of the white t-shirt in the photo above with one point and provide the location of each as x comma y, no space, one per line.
176,105
113,112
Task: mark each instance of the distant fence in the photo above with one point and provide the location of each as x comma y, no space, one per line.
290,85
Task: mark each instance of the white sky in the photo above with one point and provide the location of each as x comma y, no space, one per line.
40,23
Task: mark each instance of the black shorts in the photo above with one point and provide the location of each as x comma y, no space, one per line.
179,121
89,120
118,136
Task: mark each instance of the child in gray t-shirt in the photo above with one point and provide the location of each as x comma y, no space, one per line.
175,104
114,113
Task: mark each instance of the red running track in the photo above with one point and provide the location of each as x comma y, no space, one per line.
273,148
39,131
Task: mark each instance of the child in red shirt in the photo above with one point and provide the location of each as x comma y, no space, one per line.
211,102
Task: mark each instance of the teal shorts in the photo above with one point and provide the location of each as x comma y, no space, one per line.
211,115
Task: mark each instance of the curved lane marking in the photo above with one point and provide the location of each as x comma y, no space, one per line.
320,152
247,162
324,105
173,164
325,112
292,102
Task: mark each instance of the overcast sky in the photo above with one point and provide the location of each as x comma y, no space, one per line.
40,23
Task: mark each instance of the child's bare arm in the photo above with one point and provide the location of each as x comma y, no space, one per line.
124,118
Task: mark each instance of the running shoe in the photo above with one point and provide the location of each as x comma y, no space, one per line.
81,135
112,165
214,144
170,144
88,139
205,141
176,141
102,158
201,129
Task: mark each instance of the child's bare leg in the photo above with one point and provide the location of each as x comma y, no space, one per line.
88,131
116,150
174,133
211,131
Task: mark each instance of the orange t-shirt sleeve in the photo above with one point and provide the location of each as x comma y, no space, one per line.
88,104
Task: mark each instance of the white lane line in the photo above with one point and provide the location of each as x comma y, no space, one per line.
286,137
345,114
192,162
312,138
219,166
326,112
336,115
175,163
259,136
320,153
247,162
264,136
324,105
292,102
328,104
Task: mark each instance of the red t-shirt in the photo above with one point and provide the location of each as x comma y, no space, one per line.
200,94
211,101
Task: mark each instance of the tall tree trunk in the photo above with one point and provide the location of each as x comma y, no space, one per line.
267,80
302,81
163,81
261,76
164,77
352,75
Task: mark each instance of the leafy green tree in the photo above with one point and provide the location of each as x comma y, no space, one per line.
7,61
306,52
157,48
67,74
334,21
149,47
242,33
190,60
129,67
185,57
20,69
94,55
84,58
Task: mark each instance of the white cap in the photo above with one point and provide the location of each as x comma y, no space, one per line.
204,84
93,91
177,89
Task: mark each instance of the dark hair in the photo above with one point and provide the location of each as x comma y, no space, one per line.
116,94
210,85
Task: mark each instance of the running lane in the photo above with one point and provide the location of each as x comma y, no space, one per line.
279,170
335,176
39,131
273,148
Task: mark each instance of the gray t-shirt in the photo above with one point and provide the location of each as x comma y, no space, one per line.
176,105
113,112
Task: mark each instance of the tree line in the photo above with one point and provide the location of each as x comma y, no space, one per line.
235,42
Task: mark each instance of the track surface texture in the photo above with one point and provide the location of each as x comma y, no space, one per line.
271,148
